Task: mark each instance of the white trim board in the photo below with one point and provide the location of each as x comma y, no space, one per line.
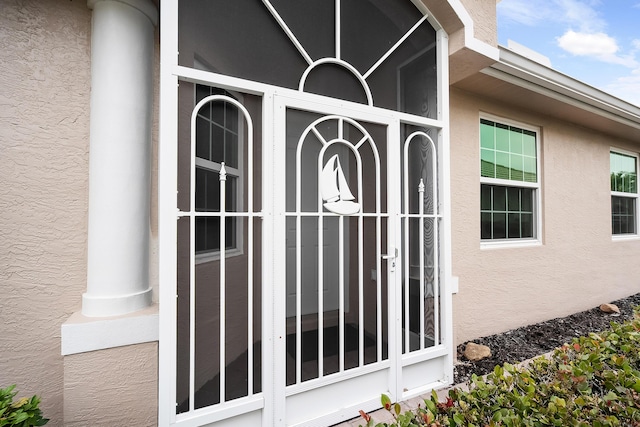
81,334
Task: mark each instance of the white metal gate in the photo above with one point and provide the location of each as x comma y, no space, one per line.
359,312
334,232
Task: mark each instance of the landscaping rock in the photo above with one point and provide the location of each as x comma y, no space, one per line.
529,341
609,308
475,352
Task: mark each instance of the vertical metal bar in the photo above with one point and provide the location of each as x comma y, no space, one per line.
378,269
407,221
298,289
360,287
320,270
192,262
250,218
436,246
320,295
341,252
192,309
422,266
338,29
298,292
360,261
223,239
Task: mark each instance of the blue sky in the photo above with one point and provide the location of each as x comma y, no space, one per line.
595,41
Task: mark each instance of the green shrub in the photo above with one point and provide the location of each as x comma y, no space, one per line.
22,413
595,381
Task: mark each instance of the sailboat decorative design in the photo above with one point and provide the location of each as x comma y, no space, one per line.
335,190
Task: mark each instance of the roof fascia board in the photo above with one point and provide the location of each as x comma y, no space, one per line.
523,72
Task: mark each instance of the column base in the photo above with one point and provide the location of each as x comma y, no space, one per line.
106,306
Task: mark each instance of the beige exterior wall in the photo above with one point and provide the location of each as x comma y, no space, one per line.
122,393
485,24
45,50
44,137
577,267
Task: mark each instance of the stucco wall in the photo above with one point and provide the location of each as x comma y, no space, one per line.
577,267
485,25
44,135
118,394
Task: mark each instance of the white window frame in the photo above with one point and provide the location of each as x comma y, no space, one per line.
635,196
536,187
237,250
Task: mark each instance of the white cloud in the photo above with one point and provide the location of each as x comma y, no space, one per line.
599,46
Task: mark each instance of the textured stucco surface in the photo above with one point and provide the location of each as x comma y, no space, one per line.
483,14
44,129
577,267
119,394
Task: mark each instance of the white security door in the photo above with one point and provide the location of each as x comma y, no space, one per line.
304,241
335,180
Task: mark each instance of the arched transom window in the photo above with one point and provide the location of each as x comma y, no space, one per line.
376,52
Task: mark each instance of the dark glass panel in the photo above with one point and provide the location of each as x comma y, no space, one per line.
231,149
217,112
313,24
418,81
527,225
499,225
370,27
183,318
203,138
414,63
623,215
485,225
207,334
335,81
527,199
514,225
485,197
499,199
513,197
237,38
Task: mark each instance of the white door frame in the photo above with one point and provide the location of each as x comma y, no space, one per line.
387,368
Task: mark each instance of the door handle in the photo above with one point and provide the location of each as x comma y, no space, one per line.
389,256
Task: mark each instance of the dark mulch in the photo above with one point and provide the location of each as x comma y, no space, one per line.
530,341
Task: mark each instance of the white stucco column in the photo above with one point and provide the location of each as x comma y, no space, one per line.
122,44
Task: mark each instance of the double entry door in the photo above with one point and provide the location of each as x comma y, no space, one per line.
339,236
